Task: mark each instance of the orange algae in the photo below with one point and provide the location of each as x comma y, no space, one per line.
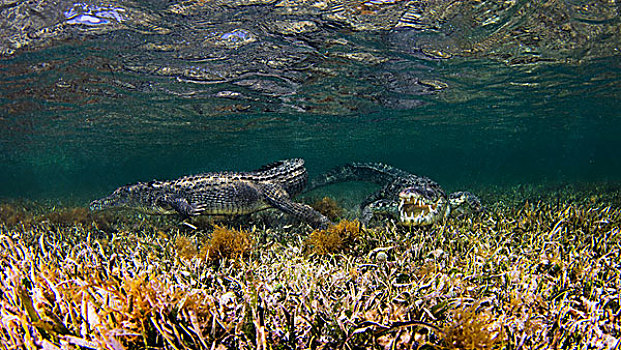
227,243
224,243
185,247
472,329
328,207
12,215
336,238
69,217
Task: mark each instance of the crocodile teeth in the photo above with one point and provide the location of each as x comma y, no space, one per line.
414,211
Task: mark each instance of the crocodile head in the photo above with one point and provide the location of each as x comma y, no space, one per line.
141,196
421,205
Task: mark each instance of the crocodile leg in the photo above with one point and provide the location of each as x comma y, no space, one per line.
181,206
277,197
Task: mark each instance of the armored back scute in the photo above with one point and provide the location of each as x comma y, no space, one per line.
290,173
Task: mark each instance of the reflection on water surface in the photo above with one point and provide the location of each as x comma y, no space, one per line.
101,93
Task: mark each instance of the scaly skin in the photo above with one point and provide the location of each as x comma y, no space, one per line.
410,199
221,193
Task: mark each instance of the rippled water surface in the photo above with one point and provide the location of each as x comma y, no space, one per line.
470,93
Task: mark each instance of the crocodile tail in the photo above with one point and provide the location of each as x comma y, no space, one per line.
378,173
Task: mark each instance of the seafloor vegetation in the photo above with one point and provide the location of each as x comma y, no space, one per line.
538,270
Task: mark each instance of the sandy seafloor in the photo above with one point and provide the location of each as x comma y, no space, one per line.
540,269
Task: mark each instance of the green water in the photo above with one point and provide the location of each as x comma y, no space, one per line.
87,110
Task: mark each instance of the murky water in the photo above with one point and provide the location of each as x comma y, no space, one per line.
94,95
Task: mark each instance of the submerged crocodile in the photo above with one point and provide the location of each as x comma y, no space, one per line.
221,193
412,200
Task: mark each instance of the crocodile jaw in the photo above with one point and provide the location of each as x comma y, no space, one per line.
109,203
417,210
104,203
133,197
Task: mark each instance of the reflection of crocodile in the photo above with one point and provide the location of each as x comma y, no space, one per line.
414,200
221,193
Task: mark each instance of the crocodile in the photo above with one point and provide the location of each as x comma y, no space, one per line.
410,199
221,193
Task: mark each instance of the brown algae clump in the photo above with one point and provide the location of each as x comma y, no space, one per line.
227,243
335,239
68,217
472,329
224,243
328,207
12,215
186,247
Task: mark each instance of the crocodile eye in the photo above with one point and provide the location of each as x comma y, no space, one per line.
429,193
